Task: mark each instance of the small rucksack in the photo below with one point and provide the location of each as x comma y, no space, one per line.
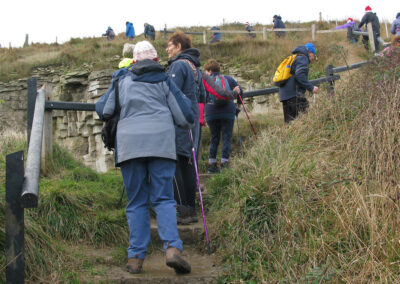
151,29
109,131
283,72
220,101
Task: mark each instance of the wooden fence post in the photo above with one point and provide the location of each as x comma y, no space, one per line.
371,37
387,34
31,100
14,215
165,32
329,73
314,32
264,33
47,145
204,36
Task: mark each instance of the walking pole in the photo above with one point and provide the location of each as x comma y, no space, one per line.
198,187
240,138
248,117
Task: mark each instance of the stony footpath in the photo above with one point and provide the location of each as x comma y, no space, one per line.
205,267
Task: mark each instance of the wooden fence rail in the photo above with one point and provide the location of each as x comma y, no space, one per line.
312,29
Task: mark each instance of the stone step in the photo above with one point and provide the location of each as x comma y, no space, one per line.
205,269
192,234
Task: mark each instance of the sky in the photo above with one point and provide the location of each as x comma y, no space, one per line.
46,21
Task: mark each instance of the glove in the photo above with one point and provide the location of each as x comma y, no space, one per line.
238,110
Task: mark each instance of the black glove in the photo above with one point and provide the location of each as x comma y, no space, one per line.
238,110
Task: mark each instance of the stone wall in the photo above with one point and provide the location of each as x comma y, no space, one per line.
78,131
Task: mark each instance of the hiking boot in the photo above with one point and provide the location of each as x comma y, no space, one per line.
134,265
224,165
193,215
183,215
213,168
174,259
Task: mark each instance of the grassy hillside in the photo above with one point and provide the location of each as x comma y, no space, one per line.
313,201
318,200
258,56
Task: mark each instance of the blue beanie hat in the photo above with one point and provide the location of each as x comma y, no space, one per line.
398,15
310,47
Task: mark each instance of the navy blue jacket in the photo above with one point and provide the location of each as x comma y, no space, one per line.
370,17
298,83
278,24
183,76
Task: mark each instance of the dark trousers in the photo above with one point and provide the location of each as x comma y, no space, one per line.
292,107
365,41
218,126
185,182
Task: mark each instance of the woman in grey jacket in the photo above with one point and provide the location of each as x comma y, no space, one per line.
150,104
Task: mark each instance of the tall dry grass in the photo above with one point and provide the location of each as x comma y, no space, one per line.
318,200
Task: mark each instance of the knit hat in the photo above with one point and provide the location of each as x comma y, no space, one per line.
247,23
275,17
349,19
310,47
368,9
144,50
398,15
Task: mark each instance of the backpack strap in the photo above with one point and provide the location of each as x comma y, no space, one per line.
117,108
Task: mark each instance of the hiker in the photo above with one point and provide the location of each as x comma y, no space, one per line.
395,29
292,93
220,117
370,17
278,24
149,31
249,28
109,34
216,36
184,63
150,105
351,26
130,31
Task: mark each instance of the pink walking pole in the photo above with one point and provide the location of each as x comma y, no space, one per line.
198,187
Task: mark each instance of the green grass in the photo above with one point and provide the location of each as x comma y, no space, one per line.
316,201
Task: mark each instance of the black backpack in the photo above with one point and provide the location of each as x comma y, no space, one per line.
109,131
151,29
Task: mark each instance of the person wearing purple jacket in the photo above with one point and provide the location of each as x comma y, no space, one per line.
395,29
351,26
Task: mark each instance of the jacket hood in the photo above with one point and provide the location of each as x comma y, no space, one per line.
192,54
398,16
147,65
300,50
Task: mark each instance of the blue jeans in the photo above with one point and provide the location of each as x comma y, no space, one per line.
150,180
218,126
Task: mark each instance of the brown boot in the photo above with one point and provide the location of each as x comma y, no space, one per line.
134,265
174,260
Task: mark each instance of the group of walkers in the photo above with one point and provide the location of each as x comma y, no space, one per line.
158,132
161,114
149,32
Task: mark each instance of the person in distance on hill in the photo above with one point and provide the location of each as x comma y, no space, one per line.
351,26
292,94
249,28
109,34
395,29
370,17
220,117
149,31
184,63
130,31
150,104
216,36
278,24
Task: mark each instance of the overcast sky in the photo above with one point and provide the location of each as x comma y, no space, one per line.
46,20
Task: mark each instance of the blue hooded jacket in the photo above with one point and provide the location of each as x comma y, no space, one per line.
130,30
